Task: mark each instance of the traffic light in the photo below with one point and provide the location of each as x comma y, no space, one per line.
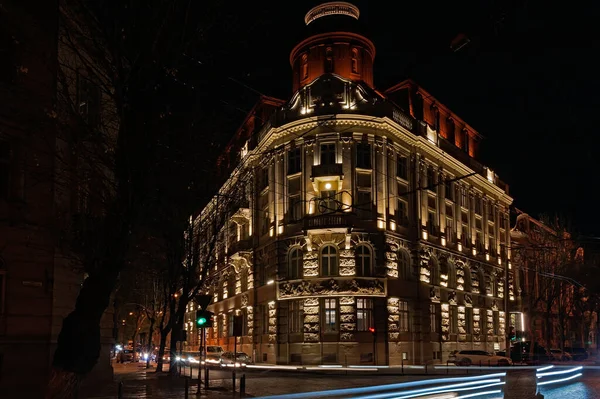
372,330
512,334
204,318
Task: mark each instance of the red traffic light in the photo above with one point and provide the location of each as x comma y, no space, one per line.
372,330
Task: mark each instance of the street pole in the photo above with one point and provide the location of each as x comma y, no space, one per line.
506,304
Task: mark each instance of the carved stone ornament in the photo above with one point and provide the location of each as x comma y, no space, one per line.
370,287
468,300
244,300
433,294
452,298
494,305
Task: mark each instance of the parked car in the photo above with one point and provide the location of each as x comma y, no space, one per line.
560,356
241,359
213,354
477,358
191,357
126,355
577,354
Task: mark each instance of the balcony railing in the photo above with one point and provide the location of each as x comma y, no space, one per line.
239,246
327,170
327,221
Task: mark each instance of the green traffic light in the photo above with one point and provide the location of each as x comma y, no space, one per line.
201,321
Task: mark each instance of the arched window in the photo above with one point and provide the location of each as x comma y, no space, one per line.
434,270
451,275
354,60
304,67
328,60
329,261
467,279
403,265
364,261
295,264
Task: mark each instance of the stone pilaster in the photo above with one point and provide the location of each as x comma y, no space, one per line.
445,316
310,264
347,262
347,318
250,321
311,320
476,324
272,322
393,319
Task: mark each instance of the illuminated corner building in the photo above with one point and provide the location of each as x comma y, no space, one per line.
361,210
542,258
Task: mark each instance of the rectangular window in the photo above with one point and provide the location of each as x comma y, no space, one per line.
433,318
295,209
469,320
364,314
478,206
265,319
431,225
364,205
491,213
403,316
363,155
296,316
230,322
294,161
402,212
449,187
431,179
263,179
328,155
330,315
5,152
463,198
402,167
363,180
496,323
453,320
449,229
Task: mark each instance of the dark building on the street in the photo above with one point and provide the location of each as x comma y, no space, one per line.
40,277
365,230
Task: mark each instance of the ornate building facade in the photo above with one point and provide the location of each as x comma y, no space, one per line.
363,230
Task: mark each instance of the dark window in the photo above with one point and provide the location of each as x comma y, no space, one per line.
230,319
404,320
402,212
491,213
5,154
453,320
450,127
478,206
434,317
402,167
304,67
329,261
88,101
328,155
2,288
294,161
363,261
468,320
296,316
295,264
431,179
449,189
465,141
295,208
403,264
328,60
364,314
354,60
363,155
263,179
363,204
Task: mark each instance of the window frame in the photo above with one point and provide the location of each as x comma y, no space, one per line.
327,150
364,311
327,311
402,167
329,256
297,267
294,161
296,316
366,253
403,263
403,316
364,151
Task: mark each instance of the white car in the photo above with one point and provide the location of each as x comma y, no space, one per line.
478,358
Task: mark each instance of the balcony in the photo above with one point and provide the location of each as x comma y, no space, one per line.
327,170
332,286
328,221
239,246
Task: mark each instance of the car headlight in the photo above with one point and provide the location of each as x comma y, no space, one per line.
177,358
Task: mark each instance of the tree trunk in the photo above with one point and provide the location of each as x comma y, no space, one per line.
161,349
78,346
150,344
173,361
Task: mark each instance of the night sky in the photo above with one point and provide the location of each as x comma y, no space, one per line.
527,81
